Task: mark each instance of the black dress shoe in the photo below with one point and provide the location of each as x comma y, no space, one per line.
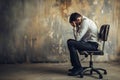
75,72
70,70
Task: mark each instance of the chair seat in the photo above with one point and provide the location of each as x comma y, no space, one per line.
97,52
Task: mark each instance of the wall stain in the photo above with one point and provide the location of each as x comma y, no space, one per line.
36,31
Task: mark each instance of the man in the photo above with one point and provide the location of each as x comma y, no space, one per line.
86,38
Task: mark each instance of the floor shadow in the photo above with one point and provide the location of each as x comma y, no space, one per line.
48,70
34,69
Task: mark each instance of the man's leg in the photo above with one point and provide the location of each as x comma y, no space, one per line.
74,58
73,53
73,46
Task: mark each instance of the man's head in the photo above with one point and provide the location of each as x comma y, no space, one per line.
75,19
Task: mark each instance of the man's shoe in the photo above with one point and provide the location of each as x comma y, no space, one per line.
70,70
76,72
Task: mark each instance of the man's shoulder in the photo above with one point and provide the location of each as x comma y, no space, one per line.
87,21
86,18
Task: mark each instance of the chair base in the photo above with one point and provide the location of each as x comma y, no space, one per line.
91,70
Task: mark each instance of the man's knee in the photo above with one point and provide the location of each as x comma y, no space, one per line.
70,42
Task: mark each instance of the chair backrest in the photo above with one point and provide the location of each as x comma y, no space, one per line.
104,30
103,34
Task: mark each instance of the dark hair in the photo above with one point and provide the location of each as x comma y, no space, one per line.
74,16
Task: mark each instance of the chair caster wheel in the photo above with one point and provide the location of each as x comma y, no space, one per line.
81,76
105,72
100,77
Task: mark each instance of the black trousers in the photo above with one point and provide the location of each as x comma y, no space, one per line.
74,45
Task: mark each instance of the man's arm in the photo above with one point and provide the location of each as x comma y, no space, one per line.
75,33
82,31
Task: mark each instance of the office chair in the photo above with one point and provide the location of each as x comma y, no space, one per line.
103,34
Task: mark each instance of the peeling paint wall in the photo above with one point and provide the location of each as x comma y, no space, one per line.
37,30
117,18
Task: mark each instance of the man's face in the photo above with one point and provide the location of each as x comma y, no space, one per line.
76,22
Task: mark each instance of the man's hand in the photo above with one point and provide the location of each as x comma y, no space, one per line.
73,24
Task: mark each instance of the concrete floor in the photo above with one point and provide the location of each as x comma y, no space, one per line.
53,71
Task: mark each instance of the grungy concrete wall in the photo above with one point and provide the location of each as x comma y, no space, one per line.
37,30
117,18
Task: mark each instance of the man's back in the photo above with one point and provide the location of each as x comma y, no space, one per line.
88,31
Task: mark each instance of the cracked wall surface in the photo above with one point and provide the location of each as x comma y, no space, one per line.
37,30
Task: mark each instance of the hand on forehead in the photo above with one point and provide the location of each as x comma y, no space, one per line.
73,23
76,22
